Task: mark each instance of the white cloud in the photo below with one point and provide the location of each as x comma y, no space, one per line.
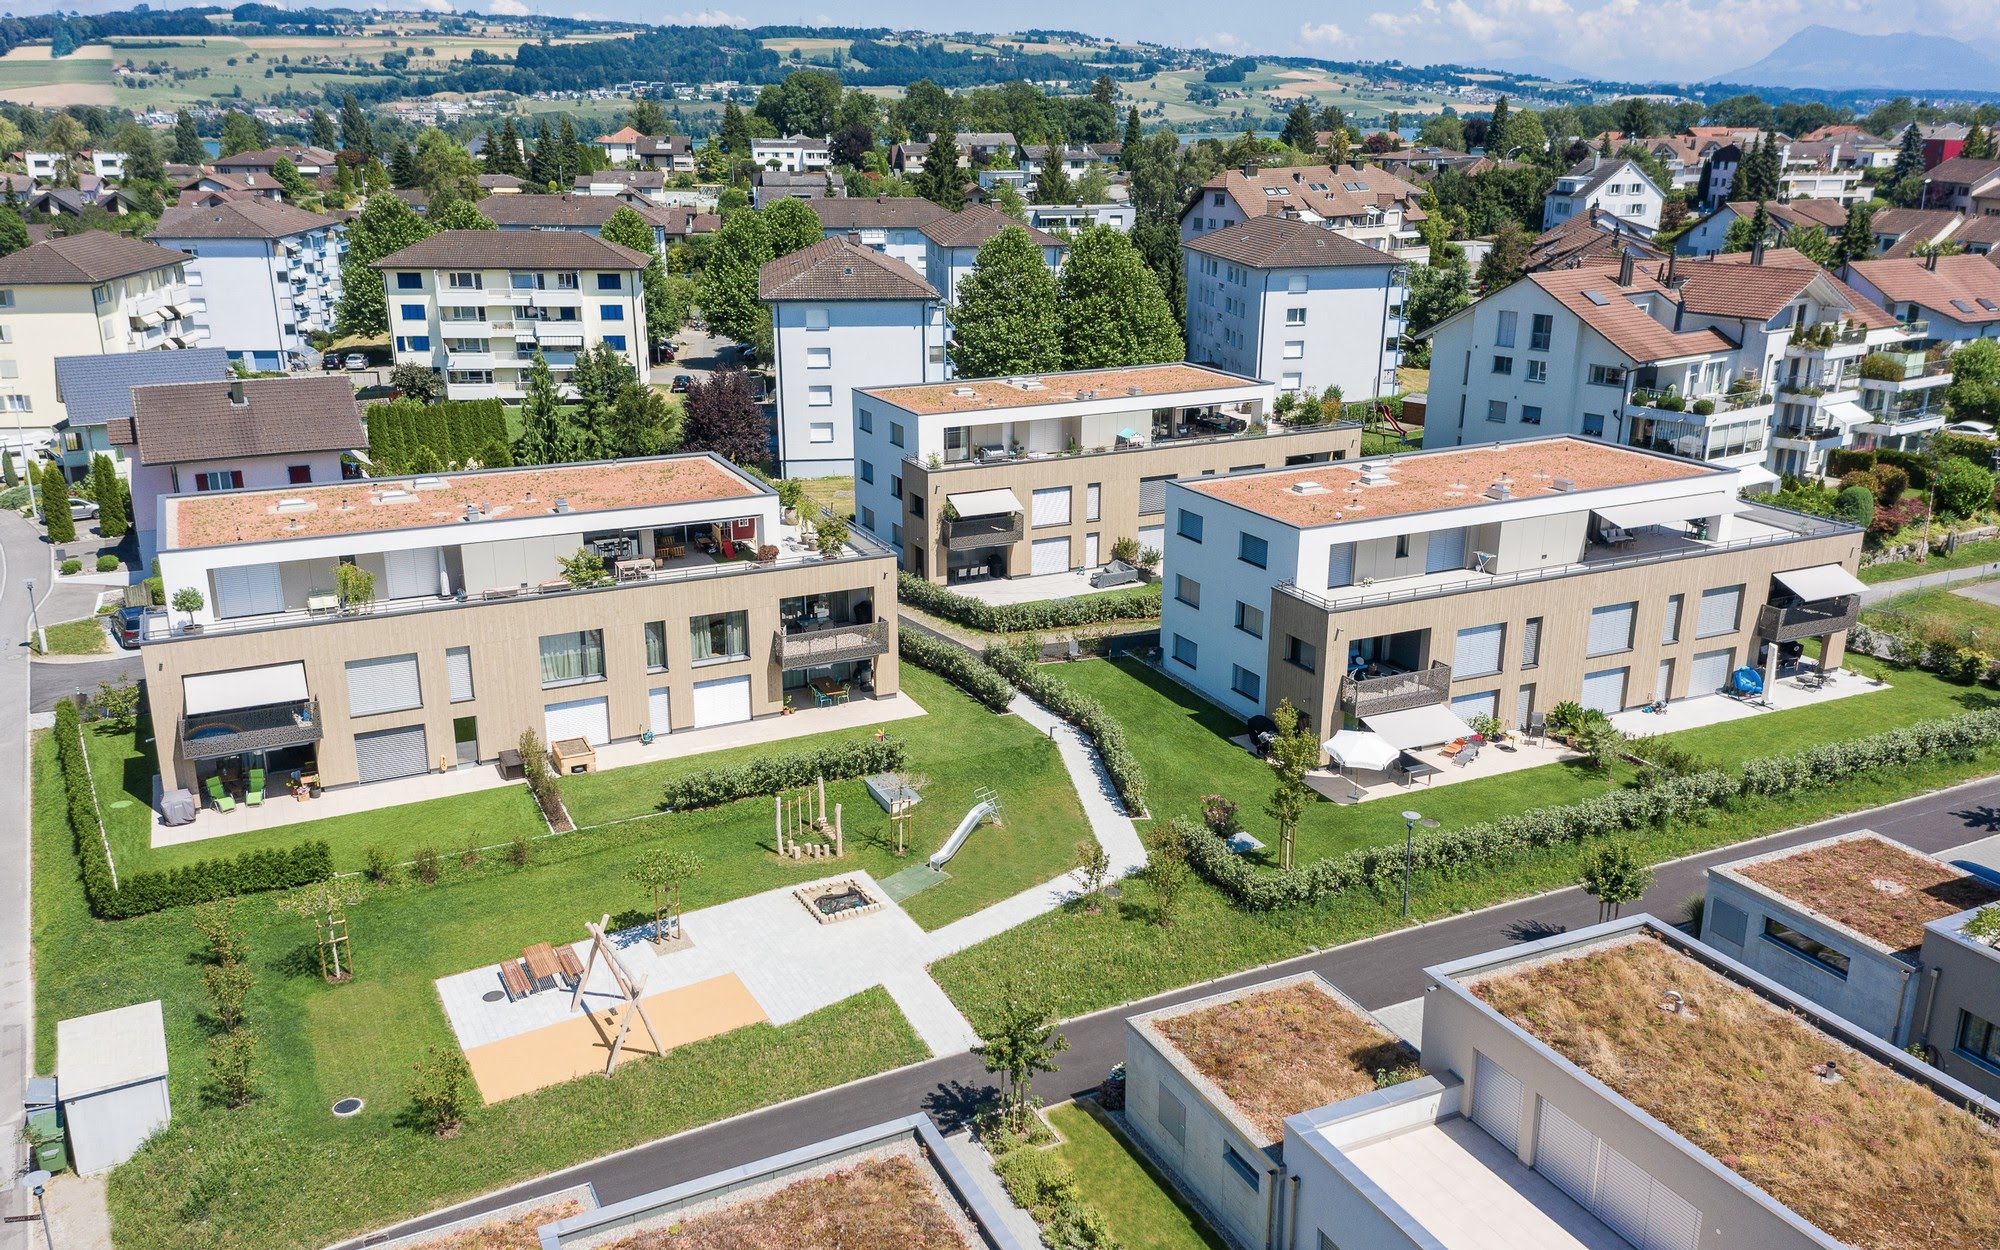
1223,41
1325,34
704,17
508,8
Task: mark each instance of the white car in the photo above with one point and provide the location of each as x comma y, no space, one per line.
356,362
1972,429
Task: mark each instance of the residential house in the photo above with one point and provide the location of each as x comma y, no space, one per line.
1369,205
974,148
585,214
1946,299
72,201
84,294
500,184
843,315
1594,237
1707,236
1121,215
1077,159
1611,184
96,392
479,305
106,164
647,184
1942,141
1816,171
1275,297
768,186
264,276
309,161
1962,185
235,186
620,145
469,634
673,153
1409,162
1900,231
952,244
891,224
791,154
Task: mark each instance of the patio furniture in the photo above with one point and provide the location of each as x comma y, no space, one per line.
1116,573
515,981
1469,754
632,570
253,794
826,691
1073,652
217,798
543,967
322,602
1411,768
574,755
1538,729
510,763
177,807
553,586
500,592
572,967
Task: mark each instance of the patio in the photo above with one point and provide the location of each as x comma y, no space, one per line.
1358,786
1001,591
1716,709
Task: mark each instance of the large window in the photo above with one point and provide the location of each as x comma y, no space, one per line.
1253,550
1190,525
1503,333
1301,654
656,646
724,636
1978,1039
1539,332
1185,651
1806,948
574,658
1245,682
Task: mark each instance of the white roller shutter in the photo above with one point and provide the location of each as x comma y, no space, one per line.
1093,502
724,701
1611,628
1156,538
1670,624
1051,506
1720,610
1470,707
1496,1101
391,753
385,684
1566,1153
1478,651
1635,1205
1623,1192
1051,555
252,590
1340,566
589,719
1524,707
1444,551
1531,642
1153,494
1604,690
458,669
1711,671
1090,560
412,574
1663,682
657,718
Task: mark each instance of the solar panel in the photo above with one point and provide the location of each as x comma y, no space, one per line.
1597,298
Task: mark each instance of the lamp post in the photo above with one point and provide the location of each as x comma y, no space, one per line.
35,619
1410,822
36,1183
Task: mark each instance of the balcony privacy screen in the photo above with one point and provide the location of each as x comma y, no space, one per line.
572,657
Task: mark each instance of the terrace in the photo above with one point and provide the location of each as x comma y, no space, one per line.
1029,440
1871,887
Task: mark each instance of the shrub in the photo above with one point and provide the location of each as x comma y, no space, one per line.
519,851
1856,506
424,865
1041,1183
439,1094
541,781
381,867
107,564
1139,603
1703,407
713,787
1219,814
229,1065
72,566
1018,665
1845,461
956,665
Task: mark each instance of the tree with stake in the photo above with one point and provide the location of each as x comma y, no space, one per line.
1294,753
663,871
1024,1042
1614,875
1167,873
326,904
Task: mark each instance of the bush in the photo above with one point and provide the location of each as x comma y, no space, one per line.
1139,603
956,665
713,787
1856,506
541,780
1703,407
381,867
424,865
1041,1183
1018,665
1845,461
107,564
72,566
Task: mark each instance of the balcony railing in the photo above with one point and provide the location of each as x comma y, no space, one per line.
1275,428
977,532
1395,692
830,644
1734,402
214,735
1806,433
1807,620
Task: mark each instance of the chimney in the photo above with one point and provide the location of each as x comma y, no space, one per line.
1298,177
854,237
1625,269
1248,169
1757,252
1930,263
1673,282
236,396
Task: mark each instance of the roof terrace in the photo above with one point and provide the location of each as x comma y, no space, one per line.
977,395
1871,886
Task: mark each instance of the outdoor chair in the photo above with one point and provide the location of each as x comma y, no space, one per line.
572,967
253,794
219,797
1469,754
515,980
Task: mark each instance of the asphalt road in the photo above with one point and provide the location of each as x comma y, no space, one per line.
1377,973
48,682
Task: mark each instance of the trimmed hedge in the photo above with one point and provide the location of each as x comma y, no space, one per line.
1019,666
144,892
956,665
713,787
457,431
1139,603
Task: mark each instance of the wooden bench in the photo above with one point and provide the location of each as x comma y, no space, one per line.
572,967
515,980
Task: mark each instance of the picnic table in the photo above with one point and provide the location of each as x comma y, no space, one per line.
633,569
543,966
827,690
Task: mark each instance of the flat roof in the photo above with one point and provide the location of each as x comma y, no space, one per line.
1880,889
110,1049
1038,389
1450,477
223,518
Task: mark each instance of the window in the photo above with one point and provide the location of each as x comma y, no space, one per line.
609,282
1670,630
895,433
1540,329
895,486
525,281
815,318
1250,620
1503,365
1531,414
1611,628
1295,284
1720,612
385,684
1607,375
656,646
1496,411
1184,651
1301,654
1245,682
820,432
1593,425
1531,642
1093,502
1402,546
1172,1115
467,282
1503,334
458,669
1292,382
221,479
412,312
721,637
413,343
819,396
409,282
1479,651
572,659
1187,590
819,358
867,471
1252,550
1295,316
1978,1039
1239,1165
1190,527
566,282
611,312
1806,948
1538,371
298,474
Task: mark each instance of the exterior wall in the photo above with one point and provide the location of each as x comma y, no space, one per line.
1236,317
152,482
419,331
1195,1158
867,343
944,267
904,243
1943,326
1636,200
260,299
1333,1198
106,1129
1963,976
40,323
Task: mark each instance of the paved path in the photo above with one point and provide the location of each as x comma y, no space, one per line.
1883,590
49,681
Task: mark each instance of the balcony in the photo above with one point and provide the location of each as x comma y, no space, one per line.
1735,401
978,532
216,735
1362,697
1917,371
834,643
987,457
1807,620
1807,434
1825,338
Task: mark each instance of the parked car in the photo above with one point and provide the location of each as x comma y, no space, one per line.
356,362
681,383
82,509
128,625
664,352
1972,429
330,362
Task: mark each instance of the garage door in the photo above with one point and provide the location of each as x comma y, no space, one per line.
1711,670
1471,707
1604,690
391,753
656,712
581,718
1496,1101
1618,1191
722,702
412,574
1051,506
251,591
1051,555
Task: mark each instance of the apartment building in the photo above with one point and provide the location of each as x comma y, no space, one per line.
460,631
1819,171
1274,297
309,161
581,213
1009,477
94,294
974,148
1943,299
843,315
648,185
1076,159
1963,185
1369,205
1605,184
1416,593
478,305
952,244
768,186
673,153
1708,236
1121,216
891,224
620,145
96,392
791,154
263,279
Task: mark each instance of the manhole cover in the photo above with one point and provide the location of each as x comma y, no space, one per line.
492,996
347,1107
122,803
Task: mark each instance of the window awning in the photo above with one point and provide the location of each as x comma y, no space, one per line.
977,503
1821,581
1755,475
1667,511
243,687
1847,412
1419,726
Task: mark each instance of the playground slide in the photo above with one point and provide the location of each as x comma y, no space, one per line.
986,807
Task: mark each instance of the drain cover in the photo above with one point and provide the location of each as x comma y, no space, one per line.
492,996
348,1106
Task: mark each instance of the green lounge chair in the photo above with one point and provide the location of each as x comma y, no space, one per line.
217,796
254,793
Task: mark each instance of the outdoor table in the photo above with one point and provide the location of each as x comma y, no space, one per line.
542,965
1413,768
629,570
830,689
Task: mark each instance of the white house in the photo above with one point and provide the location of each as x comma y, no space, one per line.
1277,298
953,242
1707,236
265,276
891,224
1956,298
646,184
620,145
1369,205
1613,184
792,154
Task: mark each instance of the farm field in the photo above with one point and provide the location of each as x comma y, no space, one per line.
1164,97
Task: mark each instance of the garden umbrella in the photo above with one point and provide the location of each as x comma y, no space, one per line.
1369,752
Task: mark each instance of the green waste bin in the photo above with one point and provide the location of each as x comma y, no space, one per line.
46,1136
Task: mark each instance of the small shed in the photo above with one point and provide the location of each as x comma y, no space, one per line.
111,1078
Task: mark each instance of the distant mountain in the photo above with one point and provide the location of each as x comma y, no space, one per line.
1538,67
1822,58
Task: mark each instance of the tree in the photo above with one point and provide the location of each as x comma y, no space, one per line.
729,277
735,132
187,140
503,155
1006,318
1856,241
326,903
1437,290
1443,132
722,416
117,702
230,1067
1757,175
1091,866
663,871
403,166
584,570
1508,257
1023,1042
647,117
1008,199
1298,132
548,433
356,135
1978,143
1135,127
1614,875
385,226
1112,309
628,229
324,133
790,226
1812,243
55,505
1635,118
1294,753
1496,127
640,423
458,214
290,181
242,133
420,382
1167,873
227,986
109,494
1052,185
440,1092
1740,236
442,168
1961,488
1855,505
1974,390
13,232
940,181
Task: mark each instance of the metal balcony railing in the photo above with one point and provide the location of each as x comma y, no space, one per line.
830,644
1395,692
1807,620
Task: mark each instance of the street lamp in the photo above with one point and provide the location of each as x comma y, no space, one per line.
35,619
1410,822
36,1183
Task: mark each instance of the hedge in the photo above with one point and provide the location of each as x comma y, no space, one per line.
1139,603
1019,666
956,665
713,787
457,430
141,893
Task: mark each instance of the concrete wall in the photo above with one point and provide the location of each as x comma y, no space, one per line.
866,343
1194,1157
1963,976
106,1129
40,323
1332,1198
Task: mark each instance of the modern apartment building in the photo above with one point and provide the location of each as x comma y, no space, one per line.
477,305
791,154
95,294
1274,297
467,633
1008,477
582,213
264,278
1369,205
1416,593
1607,184
843,315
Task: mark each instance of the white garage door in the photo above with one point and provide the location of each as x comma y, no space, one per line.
1711,670
391,753
251,591
1604,690
656,712
1051,506
1051,555
1470,707
1496,1101
412,574
581,718
722,702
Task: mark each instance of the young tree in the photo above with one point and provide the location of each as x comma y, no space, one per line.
117,702
291,182
326,903
228,986
1978,143
1052,184
1167,874
663,871
1135,127
722,416
1856,242
1974,390
1006,318
385,226
1006,197
441,1091
1298,132
411,380
548,434
941,181
503,155
1294,753
55,505
1024,1042
1113,311
188,149
790,226
640,423
1092,866
1811,242
1614,875
109,494
1508,257
1437,290
230,1066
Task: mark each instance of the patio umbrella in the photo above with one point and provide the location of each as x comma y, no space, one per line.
1370,752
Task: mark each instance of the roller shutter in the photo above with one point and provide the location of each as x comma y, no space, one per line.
1524,707
1604,690
589,719
458,668
1611,628
721,702
1093,502
1090,560
1155,538
1153,494
391,753
1051,506
253,590
1721,608
1478,651
1444,551
1566,1153
1531,642
412,574
1663,682
1636,1205
1051,555
657,718
1711,671
1496,1101
385,684
1340,566
1470,707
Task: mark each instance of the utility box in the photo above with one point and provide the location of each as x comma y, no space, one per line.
111,1076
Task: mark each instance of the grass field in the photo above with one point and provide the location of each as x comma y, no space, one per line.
84,637
1975,621
1138,1203
1986,551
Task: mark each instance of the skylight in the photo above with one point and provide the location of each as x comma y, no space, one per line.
1597,298
1961,305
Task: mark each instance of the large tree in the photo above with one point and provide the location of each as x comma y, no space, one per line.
1978,143
1052,184
1005,319
1974,391
722,416
1113,310
790,226
735,132
323,132
386,225
1437,290
647,117
458,215
941,181
1298,132
548,434
628,229
1507,259
503,152
13,232
1856,240
187,140
443,169
356,135
242,133
729,277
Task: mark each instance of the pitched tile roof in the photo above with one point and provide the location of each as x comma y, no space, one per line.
91,257
97,390
1863,309
974,224
569,211
1825,213
1901,221
1285,243
1953,289
838,269
1593,294
875,212
1593,236
1597,170
187,421
624,134
514,249
1322,190
268,158
496,182
238,219
1963,169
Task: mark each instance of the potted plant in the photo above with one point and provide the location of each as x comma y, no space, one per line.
767,554
788,709
189,600
1565,719
1494,730
791,494
832,537
354,586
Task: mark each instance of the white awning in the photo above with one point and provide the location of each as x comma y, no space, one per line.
976,503
1667,511
1755,475
244,687
1821,581
1419,727
1847,412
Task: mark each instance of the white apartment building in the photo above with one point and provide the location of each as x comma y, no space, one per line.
1707,236
1369,205
43,166
843,315
85,294
1609,184
792,154
477,305
952,244
264,278
582,213
1277,298
1947,299
648,185
891,224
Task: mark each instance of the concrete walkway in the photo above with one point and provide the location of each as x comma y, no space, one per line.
1884,590
1106,811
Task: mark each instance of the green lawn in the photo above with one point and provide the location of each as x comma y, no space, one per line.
1976,621
1139,1204
1985,551
84,637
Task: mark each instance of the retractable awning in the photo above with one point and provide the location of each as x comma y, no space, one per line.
1755,475
1821,581
978,503
1847,412
244,687
1419,726
1667,511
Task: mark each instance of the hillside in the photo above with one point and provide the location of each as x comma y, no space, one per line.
1823,58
